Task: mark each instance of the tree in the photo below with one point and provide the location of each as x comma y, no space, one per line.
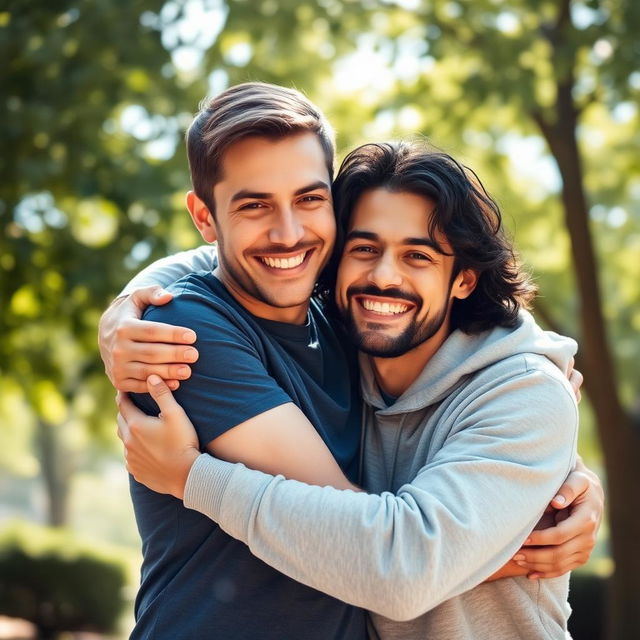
78,198
91,87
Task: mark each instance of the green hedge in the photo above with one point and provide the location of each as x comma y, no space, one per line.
58,583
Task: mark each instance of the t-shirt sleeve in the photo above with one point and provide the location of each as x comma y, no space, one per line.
229,383
168,270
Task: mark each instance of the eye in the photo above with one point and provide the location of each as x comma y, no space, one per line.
417,255
251,205
311,198
363,249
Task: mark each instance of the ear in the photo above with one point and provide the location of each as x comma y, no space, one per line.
464,284
202,217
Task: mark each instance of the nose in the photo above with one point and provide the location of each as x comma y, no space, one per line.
287,229
384,272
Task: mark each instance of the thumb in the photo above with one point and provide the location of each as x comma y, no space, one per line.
161,393
575,485
146,296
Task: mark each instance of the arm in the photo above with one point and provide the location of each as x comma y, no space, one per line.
160,452
239,411
170,269
132,349
462,517
569,537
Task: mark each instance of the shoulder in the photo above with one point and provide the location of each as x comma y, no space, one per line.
201,303
523,392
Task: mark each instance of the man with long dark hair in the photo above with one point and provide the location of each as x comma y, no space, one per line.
467,418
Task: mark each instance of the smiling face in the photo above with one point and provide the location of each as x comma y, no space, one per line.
274,223
395,282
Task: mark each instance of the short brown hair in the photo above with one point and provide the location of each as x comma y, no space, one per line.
242,111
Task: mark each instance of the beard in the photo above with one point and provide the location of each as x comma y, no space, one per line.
372,340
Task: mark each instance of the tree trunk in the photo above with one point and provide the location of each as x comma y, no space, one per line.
619,440
55,473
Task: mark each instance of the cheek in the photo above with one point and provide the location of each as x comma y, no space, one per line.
326,227
349,273
342,282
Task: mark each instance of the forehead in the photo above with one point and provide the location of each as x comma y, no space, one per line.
392,215
267,165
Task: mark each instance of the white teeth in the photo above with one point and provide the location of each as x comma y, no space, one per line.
284,263
384,307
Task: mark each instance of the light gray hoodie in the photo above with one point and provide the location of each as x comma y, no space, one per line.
464,463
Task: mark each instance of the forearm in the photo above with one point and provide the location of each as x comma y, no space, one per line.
459,520
396,555
167,270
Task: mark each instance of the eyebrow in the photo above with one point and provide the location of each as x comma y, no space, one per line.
245,194
422,242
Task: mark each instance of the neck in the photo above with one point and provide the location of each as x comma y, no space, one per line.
290,315
395,375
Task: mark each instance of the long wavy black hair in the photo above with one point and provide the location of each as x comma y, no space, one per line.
464,212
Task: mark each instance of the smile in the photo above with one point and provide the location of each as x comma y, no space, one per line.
383,308
285,263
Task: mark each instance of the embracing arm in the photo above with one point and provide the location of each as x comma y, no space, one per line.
462,517
133,349
239,411
166,271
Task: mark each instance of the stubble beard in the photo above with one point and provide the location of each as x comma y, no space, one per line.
374,342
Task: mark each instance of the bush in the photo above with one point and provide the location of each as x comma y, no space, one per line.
59,584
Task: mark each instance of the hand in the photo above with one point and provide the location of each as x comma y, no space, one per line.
575,380
566,534
133,349
159,451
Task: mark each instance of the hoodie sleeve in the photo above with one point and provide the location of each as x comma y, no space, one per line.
170,269
466,512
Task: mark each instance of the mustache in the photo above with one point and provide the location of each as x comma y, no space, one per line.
372,290
280,249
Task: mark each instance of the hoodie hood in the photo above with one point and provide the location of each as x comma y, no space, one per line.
462,355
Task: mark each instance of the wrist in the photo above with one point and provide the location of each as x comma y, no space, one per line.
187,459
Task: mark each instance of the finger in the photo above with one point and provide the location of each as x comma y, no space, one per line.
146,296
555,572
123,428
562,566
161,393
582,522
575,484
129,410
132,385
148,331
160,353
552,554
141,371
575,380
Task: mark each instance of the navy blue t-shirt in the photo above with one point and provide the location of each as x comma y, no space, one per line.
198,582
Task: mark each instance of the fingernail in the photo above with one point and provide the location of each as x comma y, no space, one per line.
161,292
560,499
189,336
189,355
154,380
183,372
518,557
527,541
533,576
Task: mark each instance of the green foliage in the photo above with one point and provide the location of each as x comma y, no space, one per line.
94,104
59,584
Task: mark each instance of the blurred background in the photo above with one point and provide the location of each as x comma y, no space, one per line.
539,97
